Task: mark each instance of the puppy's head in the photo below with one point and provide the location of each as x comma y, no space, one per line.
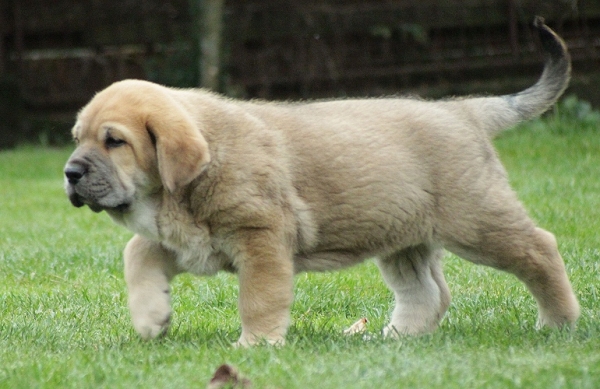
133,139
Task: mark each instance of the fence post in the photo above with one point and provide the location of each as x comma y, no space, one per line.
211,27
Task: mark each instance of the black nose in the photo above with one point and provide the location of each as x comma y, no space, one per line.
74,172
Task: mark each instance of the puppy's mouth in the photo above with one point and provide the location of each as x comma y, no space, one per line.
79,201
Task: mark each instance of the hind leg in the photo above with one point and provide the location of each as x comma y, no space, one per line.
549,283
514,244
420,290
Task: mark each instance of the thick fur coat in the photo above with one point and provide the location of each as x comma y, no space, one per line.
267,190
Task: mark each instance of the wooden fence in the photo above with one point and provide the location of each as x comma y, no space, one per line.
54,54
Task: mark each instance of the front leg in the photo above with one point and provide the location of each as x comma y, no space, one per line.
148,270
266,276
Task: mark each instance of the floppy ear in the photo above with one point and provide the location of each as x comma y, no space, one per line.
182,151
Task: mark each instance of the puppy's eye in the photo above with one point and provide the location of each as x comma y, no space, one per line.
112,142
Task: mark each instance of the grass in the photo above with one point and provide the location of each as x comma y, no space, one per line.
64,321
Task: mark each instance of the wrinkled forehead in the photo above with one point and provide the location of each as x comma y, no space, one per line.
88,119
102,115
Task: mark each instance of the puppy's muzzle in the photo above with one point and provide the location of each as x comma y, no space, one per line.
75,172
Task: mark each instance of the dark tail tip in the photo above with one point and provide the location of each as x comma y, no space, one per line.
551,42
539,21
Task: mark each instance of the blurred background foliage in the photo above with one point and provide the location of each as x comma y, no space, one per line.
54,55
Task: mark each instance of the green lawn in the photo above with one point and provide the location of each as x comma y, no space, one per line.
64,320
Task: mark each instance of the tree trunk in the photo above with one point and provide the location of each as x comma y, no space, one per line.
211,27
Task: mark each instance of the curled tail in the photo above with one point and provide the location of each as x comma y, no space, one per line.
554,80
502,112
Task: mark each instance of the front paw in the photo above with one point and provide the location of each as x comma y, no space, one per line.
246,341
151,314
152,326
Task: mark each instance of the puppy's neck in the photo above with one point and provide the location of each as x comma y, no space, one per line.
141,218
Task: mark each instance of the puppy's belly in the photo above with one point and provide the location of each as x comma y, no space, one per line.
327,260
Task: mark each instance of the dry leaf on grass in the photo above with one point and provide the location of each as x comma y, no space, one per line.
226,376
357,328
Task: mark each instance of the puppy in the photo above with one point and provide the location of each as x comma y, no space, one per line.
267,190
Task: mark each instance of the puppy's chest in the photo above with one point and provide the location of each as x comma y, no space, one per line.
197,251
